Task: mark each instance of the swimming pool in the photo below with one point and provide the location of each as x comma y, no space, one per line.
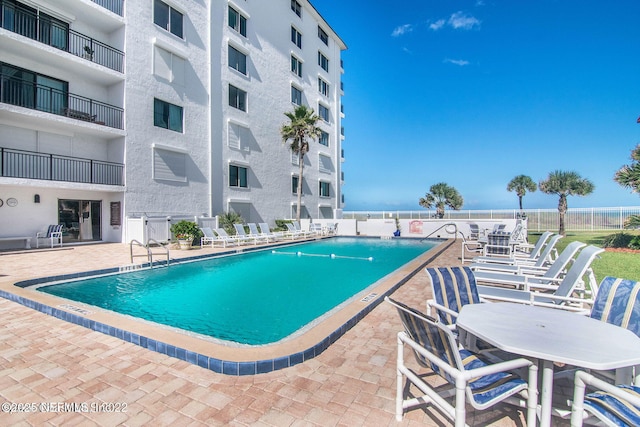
253,298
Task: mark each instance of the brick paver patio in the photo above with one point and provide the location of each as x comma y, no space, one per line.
49,362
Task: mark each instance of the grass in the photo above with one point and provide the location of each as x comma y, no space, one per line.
617,264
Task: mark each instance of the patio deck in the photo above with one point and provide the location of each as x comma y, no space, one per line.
47,360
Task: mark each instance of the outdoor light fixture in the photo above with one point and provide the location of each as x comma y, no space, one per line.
36,198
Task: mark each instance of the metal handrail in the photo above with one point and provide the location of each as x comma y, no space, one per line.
139,243
455,232
154,241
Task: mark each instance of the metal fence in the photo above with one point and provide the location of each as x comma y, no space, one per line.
576,219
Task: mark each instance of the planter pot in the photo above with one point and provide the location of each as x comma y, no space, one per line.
185,245
396,233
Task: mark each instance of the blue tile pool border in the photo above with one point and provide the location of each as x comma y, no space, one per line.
226,367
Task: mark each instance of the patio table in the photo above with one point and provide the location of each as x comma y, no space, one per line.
551,335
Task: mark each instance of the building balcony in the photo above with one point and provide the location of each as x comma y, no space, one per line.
55,33
53,167
40,97
115,6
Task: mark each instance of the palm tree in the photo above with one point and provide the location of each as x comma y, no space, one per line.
629,175
521,184
441,195
565,184
302,126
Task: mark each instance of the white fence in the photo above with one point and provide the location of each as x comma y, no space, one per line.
158,228
576,219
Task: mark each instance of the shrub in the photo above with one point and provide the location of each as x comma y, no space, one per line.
280,224
185,230
226,221
617,240
635,243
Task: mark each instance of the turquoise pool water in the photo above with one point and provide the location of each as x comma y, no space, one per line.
253,298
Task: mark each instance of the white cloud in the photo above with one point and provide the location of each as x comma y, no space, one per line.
435,26
460,20
405,50
402,29
460,62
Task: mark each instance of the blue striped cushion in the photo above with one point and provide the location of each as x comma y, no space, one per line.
498,242
491,386
620,413
618,303
453,287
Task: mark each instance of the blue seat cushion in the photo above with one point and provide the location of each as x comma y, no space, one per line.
610,407
488,387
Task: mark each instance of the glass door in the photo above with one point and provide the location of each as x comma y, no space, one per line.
81,220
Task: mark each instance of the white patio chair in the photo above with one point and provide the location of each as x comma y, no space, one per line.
266,231
475,381
208,237
501,273
253,232
532,257
229,240
244,237
612,405
53,234
562,297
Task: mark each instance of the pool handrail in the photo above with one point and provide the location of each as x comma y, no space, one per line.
148,249
455,231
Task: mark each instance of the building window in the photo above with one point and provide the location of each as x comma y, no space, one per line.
324,189
296,95
323,61
324,163
168,66
237,60
294,184
237,98
237,176
323,112
296,37
168,116
323,87
296,66
238,137
167,17
237,21
169,165
324,138
323,36
296,7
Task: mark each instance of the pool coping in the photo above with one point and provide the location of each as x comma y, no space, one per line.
228,360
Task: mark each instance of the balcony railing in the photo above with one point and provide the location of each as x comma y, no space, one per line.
57,34
114,6
53,167
55,101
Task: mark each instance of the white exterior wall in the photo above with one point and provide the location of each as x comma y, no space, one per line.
268,84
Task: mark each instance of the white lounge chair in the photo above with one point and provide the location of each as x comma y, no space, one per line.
296,226
562,297
253,231
266,231
233,240
242,236
532,257
480,384
295,233
53,234
495,272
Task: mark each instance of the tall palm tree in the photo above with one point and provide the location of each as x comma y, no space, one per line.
565,184
441,195
521,184
302,126
629,175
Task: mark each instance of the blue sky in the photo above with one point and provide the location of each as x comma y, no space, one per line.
474,93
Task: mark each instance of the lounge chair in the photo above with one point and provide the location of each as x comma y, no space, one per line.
452,288
266,231
562,296
476,382
244,236
532,257
53,234
233,240
254,232
208,237
525,276
296,226
612,405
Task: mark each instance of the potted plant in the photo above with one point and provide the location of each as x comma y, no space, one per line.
88,52
397,232
185,231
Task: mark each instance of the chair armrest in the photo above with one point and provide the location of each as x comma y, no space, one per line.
437,307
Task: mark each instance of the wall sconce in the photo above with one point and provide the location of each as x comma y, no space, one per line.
36,198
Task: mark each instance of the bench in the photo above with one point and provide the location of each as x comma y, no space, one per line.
27,240
79,115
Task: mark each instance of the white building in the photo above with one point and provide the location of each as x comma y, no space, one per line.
111,109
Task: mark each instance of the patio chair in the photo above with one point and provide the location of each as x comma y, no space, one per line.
266,231
234,240
498,244
612,405
53,234
253,231
208,237
452,288
315,229
562,297
474,231
296,226
537,254
480,384
526,277
618,303
240,233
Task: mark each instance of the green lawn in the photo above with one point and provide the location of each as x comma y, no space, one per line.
617,264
